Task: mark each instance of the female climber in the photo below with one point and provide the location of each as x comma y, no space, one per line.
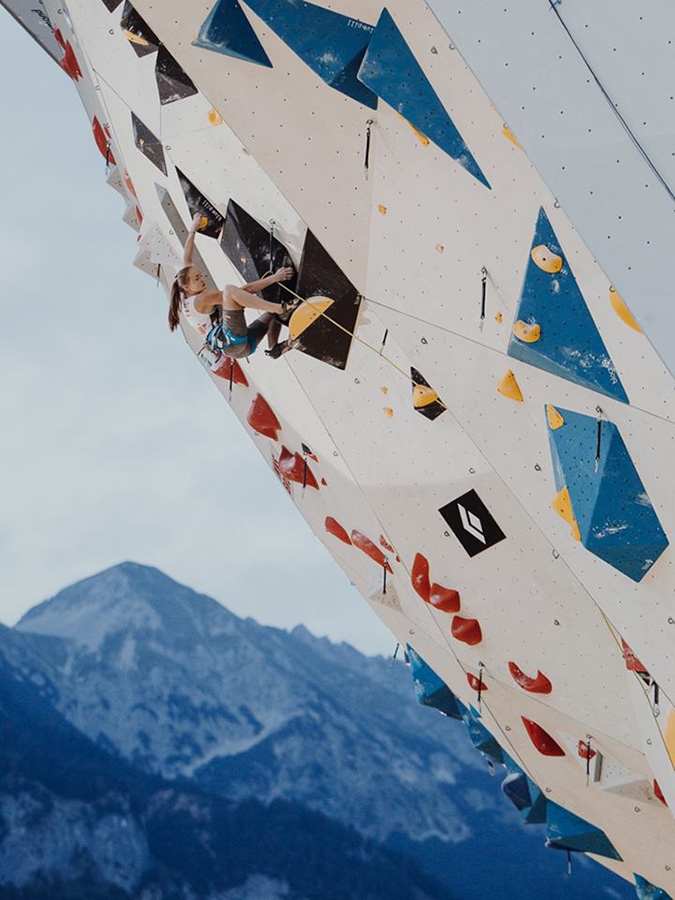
235,338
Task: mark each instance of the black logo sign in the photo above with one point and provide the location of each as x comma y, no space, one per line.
471,523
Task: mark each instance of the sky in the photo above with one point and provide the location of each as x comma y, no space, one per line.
113,443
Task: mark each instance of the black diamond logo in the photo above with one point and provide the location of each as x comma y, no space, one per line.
471,523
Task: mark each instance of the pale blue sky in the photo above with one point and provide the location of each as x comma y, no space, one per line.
114,444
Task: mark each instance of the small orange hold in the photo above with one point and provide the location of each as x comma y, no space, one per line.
476,683
261,418
333,527
444,599
382,209
389,412
420,577
215,117
466,630
633,664
527,332
540,684
541,739
366,546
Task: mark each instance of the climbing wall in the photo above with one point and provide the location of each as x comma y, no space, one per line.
477,421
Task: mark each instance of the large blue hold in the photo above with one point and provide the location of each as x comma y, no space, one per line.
331,44
616,518
647,891
431,690
227,30
392,72
565,831
570,344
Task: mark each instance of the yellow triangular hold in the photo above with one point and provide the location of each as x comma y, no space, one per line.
307,314
555,420
670,736
423,395
136,38
422,138
562,504
215,117
622,310
509,135
509,387
546,259
528,334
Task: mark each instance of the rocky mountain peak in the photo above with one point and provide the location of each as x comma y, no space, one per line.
127,599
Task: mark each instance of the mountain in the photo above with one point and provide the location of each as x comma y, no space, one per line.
183,689
76,821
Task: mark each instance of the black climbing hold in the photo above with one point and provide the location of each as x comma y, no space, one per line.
197,203
329,337
148,144
254,252
172,82
139,34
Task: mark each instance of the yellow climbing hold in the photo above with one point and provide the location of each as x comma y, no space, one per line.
389,412
509,387
622,310
307,314
136,38
499,317
562,504
422,138
423,395
546,259
509,135
555,420
215,117
527,333
384,389
382,209
670,736
203,222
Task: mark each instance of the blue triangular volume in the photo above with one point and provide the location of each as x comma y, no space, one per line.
570,345
647,891
565,831
481,738
431,690
392,72
616,519
226,30
331,44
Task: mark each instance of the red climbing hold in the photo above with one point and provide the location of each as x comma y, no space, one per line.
102,138
370,549
262,419
476,683
444,599
541,739
466,630
58,37
538,685
386,545
333,527
129,183
420,577
69,63
584,751
658,793
633,664
231,368
295,468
